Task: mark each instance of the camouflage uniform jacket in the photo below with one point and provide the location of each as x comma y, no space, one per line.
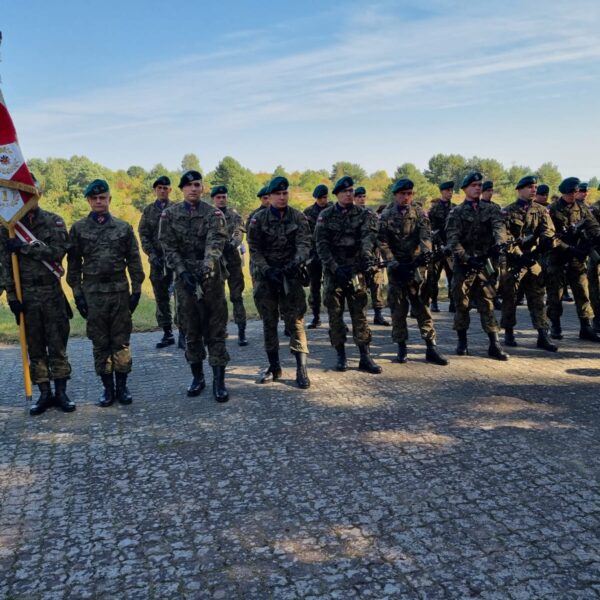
193,237
235,227
100,253
403,234
254,212
525,219
345,237
595,210
312,213
148,229
563,215
438,215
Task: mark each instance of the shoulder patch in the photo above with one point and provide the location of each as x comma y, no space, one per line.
320,219
59,222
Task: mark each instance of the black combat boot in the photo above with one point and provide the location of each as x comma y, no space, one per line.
181,340
46,400
462,348
379,319
451,306
596,324
434,305
167,338
122,392
586,331
495,349
509,337
433,355
242,341
316,320
301,374
402,355
219,390
342,362
273,371
556,329
544,343
566,297
108,395
366,363
198,381
60,396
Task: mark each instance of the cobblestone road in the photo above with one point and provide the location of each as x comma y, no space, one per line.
478,480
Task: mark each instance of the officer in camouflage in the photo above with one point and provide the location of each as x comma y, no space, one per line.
346,237
280,243
592,272
161,276
233,258
474,230
405,243
102,250
193,234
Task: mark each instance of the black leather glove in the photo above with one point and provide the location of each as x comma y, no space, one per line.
526,261
342,275
14,245
399,270
207,270
134,300
475,262
189,282
82,306
158,262
576,253
16,308
423,259
496,250
292,271
274,276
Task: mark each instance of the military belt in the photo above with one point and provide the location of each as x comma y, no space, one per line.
113,278
38,281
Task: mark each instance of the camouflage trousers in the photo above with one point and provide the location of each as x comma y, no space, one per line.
431,288
315,274
205,323
574,274
464,287
531,281
235,283
109,328
161,283
401,296
593,283
47,328
335,299
376,286
271,302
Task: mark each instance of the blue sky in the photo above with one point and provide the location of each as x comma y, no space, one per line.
305,84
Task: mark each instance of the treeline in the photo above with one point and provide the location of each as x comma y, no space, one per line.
63,181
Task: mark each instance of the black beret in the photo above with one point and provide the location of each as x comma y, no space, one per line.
525,181
402,185
487,185
582,187
188,177
470,178
447,185
98,186
162,180
360,190
343,183
543,190
569,185
320,191
218,189
278,184
262,192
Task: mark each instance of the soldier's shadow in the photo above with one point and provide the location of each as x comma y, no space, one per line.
584,372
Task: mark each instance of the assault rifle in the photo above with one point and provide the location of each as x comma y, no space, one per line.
483,269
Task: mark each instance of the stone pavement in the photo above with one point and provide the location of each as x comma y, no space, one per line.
478,480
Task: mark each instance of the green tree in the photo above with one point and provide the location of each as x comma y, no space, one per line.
490,168
342,168
239,181
424,190
135,171
549,174
515,173
190,162
446,167
310,179
280,172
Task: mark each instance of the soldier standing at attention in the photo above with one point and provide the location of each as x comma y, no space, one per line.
346,237
541,195
161,276
233,259
193,234
528,224
438,214
101,251
592,271
473,229
404,239
280,242
315,266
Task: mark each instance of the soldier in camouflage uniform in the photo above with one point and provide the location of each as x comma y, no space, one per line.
264,203
161,276
566,261
233,258
315,267
592,271
45,307
193,234
438,214
530,229
499,262
280,243
346,237
102,249
405,243
541,195
582,192
473,230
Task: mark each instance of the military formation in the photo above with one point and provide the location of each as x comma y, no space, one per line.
341,250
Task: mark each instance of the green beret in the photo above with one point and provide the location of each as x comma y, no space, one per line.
162,180
262,192
343,183
447,185
525,181
569,185
470,178
360,190
320,191
487,185
98,186
402,185
543,190
583,187
188,177
278,184
218,189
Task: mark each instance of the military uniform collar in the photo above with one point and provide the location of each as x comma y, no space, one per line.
161,204
320,208
223,210
403,210
474,204
339,208
524,204
101,219
278,214
191,207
